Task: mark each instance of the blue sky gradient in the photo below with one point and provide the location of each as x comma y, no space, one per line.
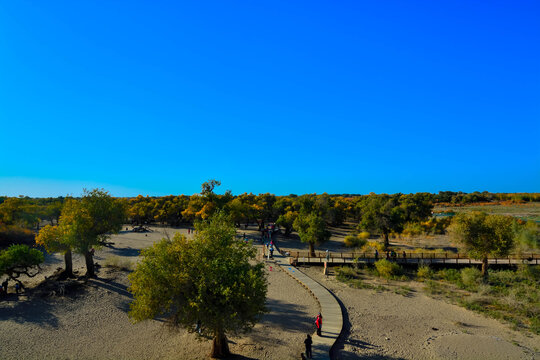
271,96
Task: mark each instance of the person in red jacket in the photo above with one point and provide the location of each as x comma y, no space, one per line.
318,324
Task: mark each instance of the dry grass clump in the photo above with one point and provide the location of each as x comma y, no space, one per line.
119,263
358,240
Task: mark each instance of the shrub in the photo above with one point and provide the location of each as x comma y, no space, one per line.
364,235
372,246
424,272
471,277
451,275
387,269
354,241
412,229
345,272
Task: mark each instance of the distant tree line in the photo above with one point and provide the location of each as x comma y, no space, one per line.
309,215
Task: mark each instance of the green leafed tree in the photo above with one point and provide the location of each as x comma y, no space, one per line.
287,221
85,224
19,260
54,240
312,229
382,213
210,280
483,235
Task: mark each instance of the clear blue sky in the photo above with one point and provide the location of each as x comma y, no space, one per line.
269,96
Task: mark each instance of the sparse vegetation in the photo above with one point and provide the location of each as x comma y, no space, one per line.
388,269
512,296
424,273
120,263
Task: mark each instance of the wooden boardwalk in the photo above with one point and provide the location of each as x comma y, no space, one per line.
409,258
330,309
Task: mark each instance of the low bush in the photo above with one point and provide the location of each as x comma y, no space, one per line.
424,272
354,241
413,229
372,246
387,269
451,275
470,278
364,235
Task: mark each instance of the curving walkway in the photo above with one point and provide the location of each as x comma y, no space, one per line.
330,309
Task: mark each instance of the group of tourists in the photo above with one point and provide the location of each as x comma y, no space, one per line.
269,249
4,288
391,255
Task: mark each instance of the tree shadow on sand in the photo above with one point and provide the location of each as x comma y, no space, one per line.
35,311
285,316
111,285
125,251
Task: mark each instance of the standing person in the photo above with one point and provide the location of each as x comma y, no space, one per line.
308,343
17,287
376,255
327,255
318,324
271,251
5,286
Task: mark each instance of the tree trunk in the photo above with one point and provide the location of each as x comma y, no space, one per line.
288,231
386,241
312,249
69,263
89,258
220,346
485,268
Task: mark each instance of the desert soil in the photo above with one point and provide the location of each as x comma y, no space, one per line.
386,325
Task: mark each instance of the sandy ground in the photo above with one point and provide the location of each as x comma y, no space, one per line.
385,325
93,323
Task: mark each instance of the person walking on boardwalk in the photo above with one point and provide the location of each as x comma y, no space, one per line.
318,324
308,343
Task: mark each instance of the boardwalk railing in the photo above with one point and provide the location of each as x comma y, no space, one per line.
407,257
